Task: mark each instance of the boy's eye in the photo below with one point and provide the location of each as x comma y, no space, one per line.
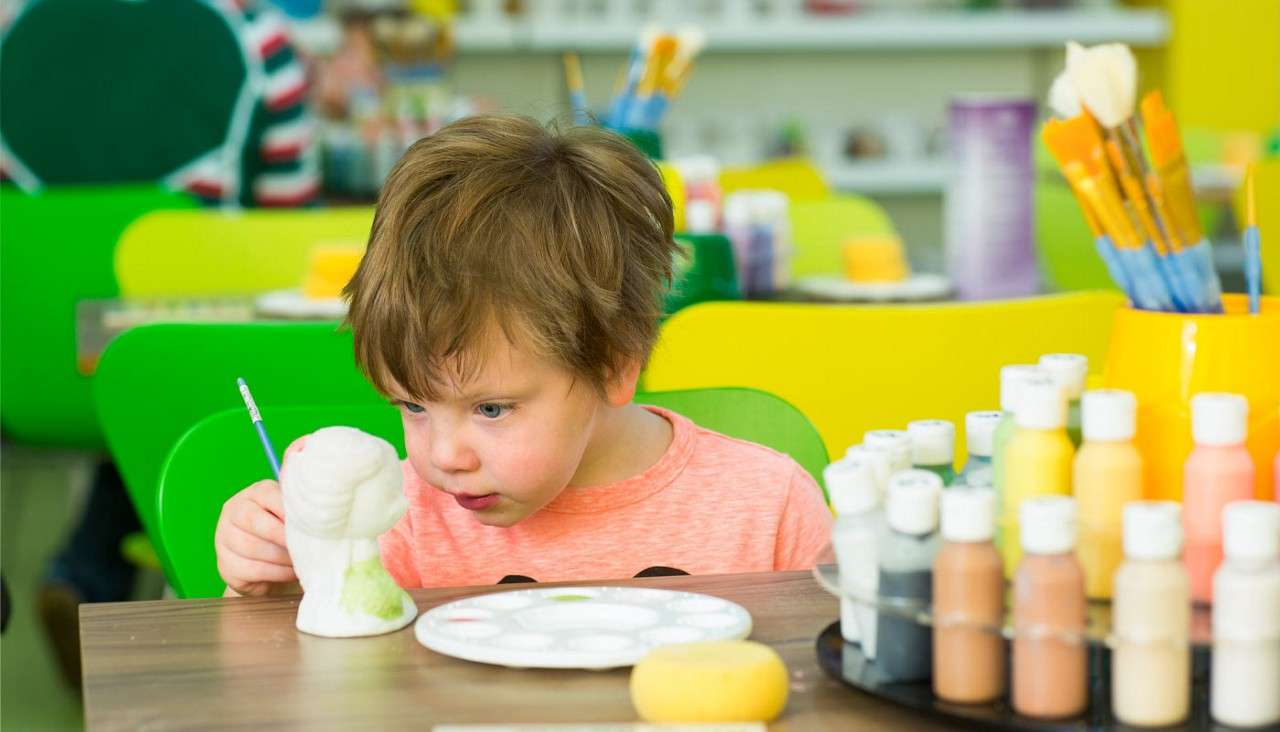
414,408
491,410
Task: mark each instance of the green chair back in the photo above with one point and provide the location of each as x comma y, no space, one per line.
221,454
56,249
155,381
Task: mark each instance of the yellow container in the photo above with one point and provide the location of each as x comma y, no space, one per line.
1166,358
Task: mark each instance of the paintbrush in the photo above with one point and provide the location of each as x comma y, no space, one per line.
631,77
577,94
1252,245
689,42
664,50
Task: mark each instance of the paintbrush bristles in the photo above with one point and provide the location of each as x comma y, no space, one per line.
1106,78
1064,100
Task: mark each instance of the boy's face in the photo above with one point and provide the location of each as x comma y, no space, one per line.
509,440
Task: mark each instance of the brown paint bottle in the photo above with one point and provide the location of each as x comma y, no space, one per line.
1049,648
968,601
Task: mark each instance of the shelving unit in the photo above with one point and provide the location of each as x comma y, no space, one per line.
871,30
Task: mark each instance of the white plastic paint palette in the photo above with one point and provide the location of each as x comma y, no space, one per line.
576,627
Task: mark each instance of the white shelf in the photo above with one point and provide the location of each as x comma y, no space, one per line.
908,177
929,177
865,31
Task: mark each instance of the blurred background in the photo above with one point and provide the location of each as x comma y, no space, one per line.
179,161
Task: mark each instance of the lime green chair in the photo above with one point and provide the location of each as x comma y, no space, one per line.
854,368
230,252
820,227
56,249
221,454
155,381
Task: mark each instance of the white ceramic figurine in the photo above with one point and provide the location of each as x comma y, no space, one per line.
343,489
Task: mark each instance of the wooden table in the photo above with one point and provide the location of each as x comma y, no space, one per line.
241,663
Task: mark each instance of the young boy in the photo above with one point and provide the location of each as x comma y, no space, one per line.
507,302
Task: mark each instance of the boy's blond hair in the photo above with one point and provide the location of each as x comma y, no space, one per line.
559,240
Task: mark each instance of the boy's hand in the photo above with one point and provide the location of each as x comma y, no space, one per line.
253,558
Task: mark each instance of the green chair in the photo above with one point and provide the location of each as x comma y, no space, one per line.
820,227
221,454
56,248
155,381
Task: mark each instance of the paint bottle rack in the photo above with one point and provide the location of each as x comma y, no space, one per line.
845,662
1097,625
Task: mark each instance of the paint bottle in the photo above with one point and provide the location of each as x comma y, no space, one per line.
881,465
1106,474
855,497
897,442
1218,471
968,601
1037,458
1011,378
1246,618
908,547
1150,617
1069,370
1049,647
933,448
979,432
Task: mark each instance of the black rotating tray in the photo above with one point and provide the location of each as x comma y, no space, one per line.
845,662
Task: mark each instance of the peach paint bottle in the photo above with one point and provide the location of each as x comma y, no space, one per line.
1218,471
1246,619
1049,645
1106,475
1151,619
968,601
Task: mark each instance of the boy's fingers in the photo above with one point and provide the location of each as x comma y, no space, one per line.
266,493
261,524
249,546
241,574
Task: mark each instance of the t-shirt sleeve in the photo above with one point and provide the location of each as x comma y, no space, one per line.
397,553
805,529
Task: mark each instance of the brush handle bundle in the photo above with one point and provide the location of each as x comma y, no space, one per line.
655,74
1143,217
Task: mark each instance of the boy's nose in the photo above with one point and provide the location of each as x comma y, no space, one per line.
449,454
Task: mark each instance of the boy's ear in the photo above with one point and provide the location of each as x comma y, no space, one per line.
620,388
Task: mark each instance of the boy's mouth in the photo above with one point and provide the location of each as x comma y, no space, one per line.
477,503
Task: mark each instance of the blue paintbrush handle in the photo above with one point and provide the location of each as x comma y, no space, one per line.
1253,267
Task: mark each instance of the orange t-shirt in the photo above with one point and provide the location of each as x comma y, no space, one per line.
710,505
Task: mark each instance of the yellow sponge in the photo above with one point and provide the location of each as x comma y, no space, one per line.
716,681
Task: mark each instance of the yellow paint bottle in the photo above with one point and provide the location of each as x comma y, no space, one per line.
1037,460
1107,474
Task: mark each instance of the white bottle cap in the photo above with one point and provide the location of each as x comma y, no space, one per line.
1010,378
968,514
892,439
1152,529
979,431
737,210
1251,530
851,485
879,459
897,442
1048,525
1219,418
1041,405
1109,415
933,442
1068,369
912,506
700,216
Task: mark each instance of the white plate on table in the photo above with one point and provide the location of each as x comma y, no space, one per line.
576,627
293,305
917,287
